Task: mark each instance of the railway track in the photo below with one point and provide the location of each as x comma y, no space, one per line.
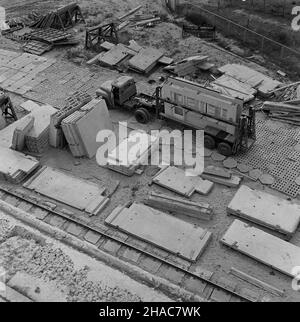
131,250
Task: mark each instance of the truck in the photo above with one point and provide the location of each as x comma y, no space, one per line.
228,123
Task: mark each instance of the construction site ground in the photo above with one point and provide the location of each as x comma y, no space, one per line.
67,75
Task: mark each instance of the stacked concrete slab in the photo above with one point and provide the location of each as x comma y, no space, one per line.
82,126
15,166
37,140
73,103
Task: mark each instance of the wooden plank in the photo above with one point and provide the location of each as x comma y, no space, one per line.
265,209
263,247
254,281
131,12
180,206
165,231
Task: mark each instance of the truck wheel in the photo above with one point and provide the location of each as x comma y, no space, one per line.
225,149
209,142
142,116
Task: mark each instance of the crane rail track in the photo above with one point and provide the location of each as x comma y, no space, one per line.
209,285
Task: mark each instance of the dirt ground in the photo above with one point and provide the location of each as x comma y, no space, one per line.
167,37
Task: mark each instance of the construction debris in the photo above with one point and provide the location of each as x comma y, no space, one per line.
199,210
41,40
165,231
254,281
15,166
267,210
265,248
63,18
176,180
284,112
83,195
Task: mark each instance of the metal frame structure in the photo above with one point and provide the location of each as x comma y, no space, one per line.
99,34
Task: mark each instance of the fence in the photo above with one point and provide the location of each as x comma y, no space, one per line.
246,35
274,7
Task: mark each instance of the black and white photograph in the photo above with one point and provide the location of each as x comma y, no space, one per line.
149,155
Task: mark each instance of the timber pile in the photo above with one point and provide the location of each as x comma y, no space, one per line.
138,20
199,210
41,40
16,166
81,128
288,92
287,113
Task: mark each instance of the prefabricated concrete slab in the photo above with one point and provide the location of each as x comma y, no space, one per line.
165,231
91,124
263,247
115,56
69,190
230,86
265,209
232,182
12,160
145,60
176,180
264,84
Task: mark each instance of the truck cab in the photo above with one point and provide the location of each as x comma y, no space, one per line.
118,92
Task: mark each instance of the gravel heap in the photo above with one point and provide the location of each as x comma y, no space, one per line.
52,264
